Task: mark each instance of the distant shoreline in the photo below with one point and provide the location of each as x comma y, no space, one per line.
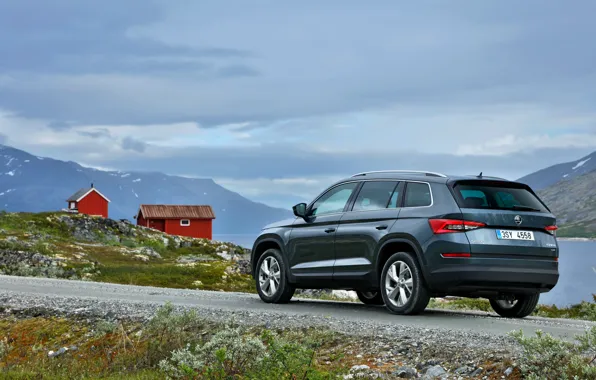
575,239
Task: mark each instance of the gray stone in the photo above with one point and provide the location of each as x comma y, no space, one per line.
508,371
53,354
463,370
406,372
358,368
189,259
148,251
434,371
476,372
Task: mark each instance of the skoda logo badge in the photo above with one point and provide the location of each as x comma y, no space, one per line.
517,220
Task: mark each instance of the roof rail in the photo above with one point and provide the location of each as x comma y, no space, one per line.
430,174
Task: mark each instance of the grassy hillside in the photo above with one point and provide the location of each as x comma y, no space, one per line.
81,247
574,204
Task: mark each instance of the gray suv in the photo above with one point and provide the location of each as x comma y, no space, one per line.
400,237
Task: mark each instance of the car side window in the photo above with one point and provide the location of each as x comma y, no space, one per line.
394,197
374,195
334,200
417,195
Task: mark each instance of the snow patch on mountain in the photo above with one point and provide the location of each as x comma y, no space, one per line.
581,163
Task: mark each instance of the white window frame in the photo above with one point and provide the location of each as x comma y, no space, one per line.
72,205
185,220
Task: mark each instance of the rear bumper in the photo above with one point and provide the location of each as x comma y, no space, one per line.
469,280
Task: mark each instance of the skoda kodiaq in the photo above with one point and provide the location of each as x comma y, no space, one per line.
400,237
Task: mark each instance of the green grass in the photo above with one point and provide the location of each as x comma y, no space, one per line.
584,310
174,276
43,222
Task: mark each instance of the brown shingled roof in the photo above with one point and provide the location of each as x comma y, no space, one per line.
177,211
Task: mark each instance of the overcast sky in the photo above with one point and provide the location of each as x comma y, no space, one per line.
275,99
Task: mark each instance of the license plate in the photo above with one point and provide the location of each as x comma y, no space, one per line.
515,235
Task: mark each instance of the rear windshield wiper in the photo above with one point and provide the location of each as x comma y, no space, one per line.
524,208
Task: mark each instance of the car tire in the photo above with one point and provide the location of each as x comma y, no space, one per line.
522,306
370,298
282,291
408,285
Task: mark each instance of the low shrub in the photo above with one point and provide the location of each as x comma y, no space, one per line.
226,355
233,353
546,357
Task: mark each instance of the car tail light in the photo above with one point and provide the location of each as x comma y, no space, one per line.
445,226
454,255
551,229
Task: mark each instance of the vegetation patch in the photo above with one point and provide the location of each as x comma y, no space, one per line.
183,345
73,246
545,357
584,310
174,344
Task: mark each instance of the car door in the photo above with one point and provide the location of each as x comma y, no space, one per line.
362,227
311,247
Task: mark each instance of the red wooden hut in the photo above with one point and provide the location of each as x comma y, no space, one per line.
184,220
89,201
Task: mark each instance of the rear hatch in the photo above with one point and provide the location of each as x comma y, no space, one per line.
510,220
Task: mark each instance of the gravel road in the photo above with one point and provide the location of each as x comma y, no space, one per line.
444,329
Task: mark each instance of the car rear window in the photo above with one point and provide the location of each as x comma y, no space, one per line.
500,196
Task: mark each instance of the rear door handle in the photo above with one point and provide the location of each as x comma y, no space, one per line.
329,230
382,227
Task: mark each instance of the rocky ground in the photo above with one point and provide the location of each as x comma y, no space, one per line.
369,350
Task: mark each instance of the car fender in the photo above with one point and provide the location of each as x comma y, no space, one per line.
268,237
412,242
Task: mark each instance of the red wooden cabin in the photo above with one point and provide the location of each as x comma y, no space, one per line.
89,201
193,220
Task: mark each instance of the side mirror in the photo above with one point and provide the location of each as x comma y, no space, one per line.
300,210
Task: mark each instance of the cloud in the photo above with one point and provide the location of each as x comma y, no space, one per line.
59,125
237,71
96,133
219,63
130,143
3,138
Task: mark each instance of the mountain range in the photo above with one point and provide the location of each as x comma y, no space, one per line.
561,172
32,184
569,190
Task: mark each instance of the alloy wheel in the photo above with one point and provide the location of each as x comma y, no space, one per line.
399,283
269,276
507,304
